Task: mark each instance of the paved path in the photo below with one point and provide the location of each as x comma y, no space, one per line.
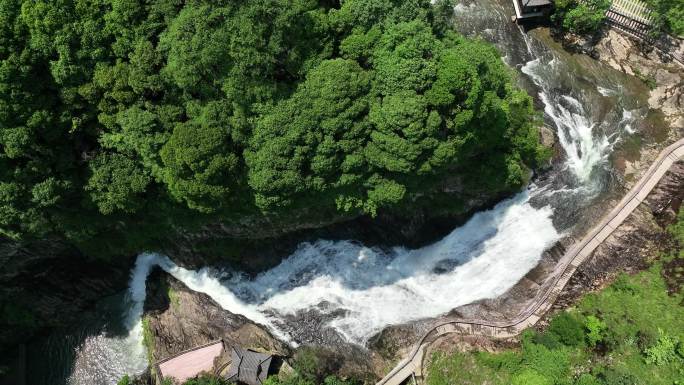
566,266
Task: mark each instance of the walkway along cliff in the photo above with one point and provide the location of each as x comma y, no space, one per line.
412,365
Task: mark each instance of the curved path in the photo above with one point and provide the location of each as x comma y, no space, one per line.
566,266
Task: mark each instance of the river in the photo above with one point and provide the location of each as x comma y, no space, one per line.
356,291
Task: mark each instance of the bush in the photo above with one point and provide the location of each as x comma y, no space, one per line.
550,340
663,352
531,377
615,377
582,18
669,15
554,364
568,328
587,379
595,330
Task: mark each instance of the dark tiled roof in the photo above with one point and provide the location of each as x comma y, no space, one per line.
248,367
535,3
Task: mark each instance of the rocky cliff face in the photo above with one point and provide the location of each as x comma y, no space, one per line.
252,246
178,319
664,77
49,283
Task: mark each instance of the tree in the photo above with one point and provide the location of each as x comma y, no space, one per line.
148,118
312,142
580,17
117,183
668,15
201,164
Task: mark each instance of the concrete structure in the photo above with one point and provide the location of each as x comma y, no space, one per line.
189,363
529,9
412,366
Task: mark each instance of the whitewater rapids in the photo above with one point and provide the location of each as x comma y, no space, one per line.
481,259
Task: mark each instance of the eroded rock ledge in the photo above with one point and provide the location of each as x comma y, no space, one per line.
178,319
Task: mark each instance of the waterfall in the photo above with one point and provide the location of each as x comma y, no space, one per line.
378,288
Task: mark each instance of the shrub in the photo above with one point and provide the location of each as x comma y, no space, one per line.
583,17
587,379
554,364
568,328
507,361
663,351
669,15
614,377
531,377
595,329
550,340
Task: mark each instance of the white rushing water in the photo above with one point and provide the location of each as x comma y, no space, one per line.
585,148
375,288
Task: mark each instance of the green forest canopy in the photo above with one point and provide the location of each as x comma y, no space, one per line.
123,120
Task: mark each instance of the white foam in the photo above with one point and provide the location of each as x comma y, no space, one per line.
584,149
481,259
606,91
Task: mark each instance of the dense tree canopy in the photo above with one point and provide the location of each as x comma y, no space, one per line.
123,117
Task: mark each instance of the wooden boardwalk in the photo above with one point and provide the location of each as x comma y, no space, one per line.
412,365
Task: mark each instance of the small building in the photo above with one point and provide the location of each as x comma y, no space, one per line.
248,367
530,9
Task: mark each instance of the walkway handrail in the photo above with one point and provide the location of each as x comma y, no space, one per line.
667,157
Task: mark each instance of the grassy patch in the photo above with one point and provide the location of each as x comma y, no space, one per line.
174,297
148,341
648,79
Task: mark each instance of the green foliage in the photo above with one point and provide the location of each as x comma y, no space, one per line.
664,351
207,380
531,377
116,183
464,368
587,379
668,15
173,295
120,119
569,329
148,339
580,17
125,380
595,329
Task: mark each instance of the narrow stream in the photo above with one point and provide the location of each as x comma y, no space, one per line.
355,291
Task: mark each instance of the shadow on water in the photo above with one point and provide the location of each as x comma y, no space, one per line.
54,359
